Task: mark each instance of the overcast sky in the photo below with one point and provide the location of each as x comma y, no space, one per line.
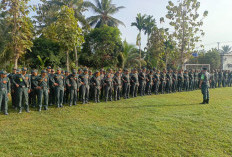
217,25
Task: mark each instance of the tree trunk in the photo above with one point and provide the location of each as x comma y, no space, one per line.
16,61
140,55
76,58
67,60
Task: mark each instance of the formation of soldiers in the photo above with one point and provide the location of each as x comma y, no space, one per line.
52,87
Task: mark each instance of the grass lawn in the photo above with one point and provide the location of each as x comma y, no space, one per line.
163,125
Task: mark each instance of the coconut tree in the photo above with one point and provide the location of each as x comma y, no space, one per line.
140,25
226,49
150,24
104,10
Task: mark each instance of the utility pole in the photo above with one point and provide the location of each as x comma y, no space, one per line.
218,46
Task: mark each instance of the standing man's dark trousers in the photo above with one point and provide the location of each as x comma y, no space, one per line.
43,95
205,92
52,98
163,86
13,97
174,86
156,86
149,86
4,101
126,91
73,97
108,93
85,94
142,86
117,91
59,92
96,94
22,97
219,83
33,97
179,86
134,90
66,96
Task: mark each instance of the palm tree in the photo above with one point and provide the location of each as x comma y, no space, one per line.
104,10
127,50
150,24
140,24
226,49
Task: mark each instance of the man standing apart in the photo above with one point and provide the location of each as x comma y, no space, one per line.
204,85
4,91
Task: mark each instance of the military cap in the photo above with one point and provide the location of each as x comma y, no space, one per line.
34,71
90,71
66,71
97,71
18,70
1,72
74,71
80,69
205,69
43,71
49,67
4,72
85,69
126,70
59,69
14,69
24,69
52,70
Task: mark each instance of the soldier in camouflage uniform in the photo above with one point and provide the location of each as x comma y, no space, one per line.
34,92
13,88
22,83
108,85
117,82
204,85
73,83
180,81
43,90
134,83
59,88
191,80
51,81
163,79
169,81
95,81
4,91
174,81
186,80
142,82
220,77
156,81
126,84
66,88
84,78
149,78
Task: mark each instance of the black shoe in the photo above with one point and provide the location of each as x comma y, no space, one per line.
204,102
207,101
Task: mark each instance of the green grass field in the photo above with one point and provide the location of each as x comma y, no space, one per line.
163,125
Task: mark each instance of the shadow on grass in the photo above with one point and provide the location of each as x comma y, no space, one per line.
153,106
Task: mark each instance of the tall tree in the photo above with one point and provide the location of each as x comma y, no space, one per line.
46,14
187,23
101,48
21,26
104,10
150,24
140,25
65,31
226,49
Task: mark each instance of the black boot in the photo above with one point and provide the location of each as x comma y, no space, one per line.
204,102
207,101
